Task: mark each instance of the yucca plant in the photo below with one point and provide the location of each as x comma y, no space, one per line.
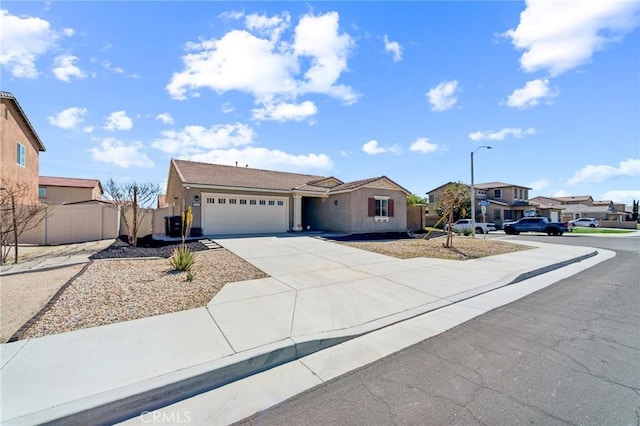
182,258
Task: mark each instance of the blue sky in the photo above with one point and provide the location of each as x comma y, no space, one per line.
346,89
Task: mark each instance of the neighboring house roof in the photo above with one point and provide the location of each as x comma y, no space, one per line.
217,175
487,185
490,185
9,96
575,198
546,206
581,208
603,203
69,182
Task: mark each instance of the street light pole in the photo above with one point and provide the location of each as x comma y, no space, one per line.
473,194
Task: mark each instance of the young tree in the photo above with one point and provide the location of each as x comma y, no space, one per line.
455,197
19,212
134,197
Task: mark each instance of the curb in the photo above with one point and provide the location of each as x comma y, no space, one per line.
126,402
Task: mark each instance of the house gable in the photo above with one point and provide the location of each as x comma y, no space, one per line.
19,147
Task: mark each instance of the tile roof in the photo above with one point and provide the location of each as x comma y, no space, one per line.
575,198
10,97
196,173
489,185
68,182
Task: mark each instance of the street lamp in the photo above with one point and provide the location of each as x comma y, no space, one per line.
473,194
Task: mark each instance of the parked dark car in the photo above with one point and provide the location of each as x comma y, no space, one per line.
535,224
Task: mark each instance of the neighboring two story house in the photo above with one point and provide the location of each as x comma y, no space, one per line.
61,190
577,206
20,148
503,202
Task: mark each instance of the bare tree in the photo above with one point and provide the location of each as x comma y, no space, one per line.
19,212
135,197
455,196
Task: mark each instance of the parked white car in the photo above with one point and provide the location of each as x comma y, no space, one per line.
585,222
465,225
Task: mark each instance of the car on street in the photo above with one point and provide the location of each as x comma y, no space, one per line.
535,224
585,222
463,225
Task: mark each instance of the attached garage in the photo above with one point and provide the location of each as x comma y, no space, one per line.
241,214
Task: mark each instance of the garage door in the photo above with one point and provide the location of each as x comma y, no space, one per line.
241,214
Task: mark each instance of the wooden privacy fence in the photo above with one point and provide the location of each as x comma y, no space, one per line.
78,223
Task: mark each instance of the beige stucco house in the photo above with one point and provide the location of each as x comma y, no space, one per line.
20,148
240,200
577,206
61,190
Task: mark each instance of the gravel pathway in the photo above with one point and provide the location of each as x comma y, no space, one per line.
112,291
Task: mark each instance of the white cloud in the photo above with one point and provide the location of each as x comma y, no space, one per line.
372,148
23,40
285,111
557,36
311,63
198,140
118,70
501,134
423,145
442,97
165,117
394,48
540,184
531,94
117,152
263,158
227,108
64,68
622,196
118,121
68,118
561,193
590,173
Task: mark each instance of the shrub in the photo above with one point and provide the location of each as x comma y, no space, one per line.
190,275
466,232
182,259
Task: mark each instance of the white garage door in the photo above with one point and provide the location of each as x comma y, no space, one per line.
241,214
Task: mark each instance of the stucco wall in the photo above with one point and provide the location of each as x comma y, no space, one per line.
14,130
348,212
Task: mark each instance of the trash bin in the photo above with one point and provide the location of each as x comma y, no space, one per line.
173,226
196,232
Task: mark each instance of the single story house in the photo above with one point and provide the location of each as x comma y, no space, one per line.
239,200
62,190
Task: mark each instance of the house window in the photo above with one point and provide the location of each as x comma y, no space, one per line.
280,203
381,208
232,201
21,154
496,214
252,202
42,192
272,202
432,198
515,193
243,202
263,203
222,200
497,193
507,214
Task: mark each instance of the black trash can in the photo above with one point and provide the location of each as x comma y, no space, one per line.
196,232
173,226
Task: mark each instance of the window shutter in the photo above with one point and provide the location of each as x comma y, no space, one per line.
390,208
372,207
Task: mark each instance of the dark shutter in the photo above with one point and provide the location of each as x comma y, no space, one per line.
390,208
372,207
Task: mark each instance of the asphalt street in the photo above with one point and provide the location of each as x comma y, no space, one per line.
568,354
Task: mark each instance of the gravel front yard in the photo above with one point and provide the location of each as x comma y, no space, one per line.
463,248
112,291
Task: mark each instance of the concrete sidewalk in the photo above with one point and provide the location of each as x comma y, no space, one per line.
40,258
319,294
